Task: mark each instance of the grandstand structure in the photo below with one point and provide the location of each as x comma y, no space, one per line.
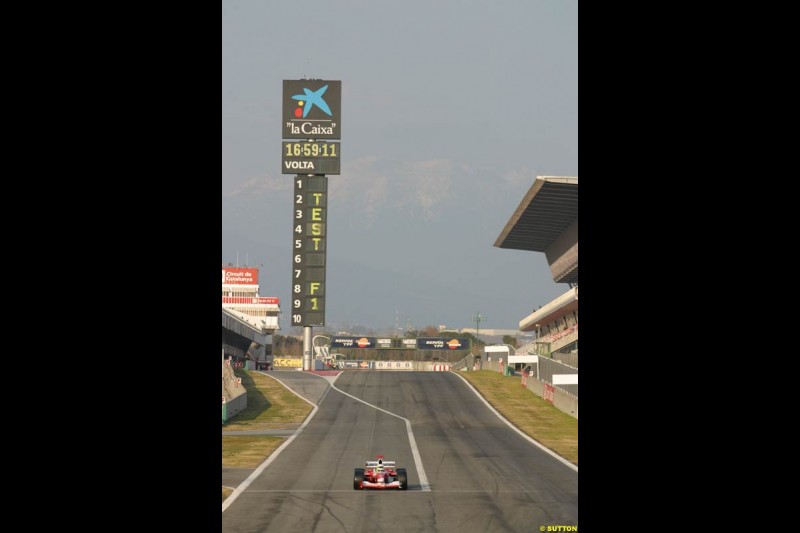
546,221
249,320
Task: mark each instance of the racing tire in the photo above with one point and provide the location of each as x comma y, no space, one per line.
358,478
402,477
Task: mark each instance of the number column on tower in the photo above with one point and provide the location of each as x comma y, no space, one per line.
309,246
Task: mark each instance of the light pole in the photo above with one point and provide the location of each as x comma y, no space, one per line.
477,319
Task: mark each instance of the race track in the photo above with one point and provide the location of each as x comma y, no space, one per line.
476,473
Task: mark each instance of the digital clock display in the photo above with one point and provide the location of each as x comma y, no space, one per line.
310,157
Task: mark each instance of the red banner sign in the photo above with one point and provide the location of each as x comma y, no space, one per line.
239,276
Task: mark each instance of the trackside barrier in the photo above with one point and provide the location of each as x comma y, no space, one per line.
233,392
561,399
394,365
548,368
232,407
295,363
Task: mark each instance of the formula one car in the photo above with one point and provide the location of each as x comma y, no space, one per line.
380,474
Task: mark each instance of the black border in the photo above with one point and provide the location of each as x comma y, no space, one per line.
138,225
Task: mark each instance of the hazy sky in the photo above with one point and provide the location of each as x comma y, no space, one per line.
449,110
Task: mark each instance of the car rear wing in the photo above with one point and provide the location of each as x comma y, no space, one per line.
373,464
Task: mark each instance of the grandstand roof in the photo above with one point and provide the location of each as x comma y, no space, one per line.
552,311
236,326
549,207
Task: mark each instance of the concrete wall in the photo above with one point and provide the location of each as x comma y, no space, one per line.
548,367
293,363
561,399
234,393
397,366
566,402
229,409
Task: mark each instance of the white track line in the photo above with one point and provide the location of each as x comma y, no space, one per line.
423,478
512,426
257,472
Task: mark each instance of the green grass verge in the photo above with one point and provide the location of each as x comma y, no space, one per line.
248,451
269,405
535,417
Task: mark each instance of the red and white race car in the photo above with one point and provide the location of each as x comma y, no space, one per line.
380,474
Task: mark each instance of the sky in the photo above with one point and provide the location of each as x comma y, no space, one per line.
449,111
